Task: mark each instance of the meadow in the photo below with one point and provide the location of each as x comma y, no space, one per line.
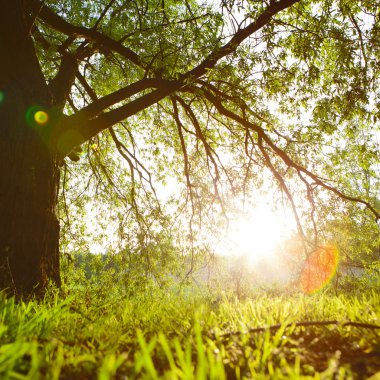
99,330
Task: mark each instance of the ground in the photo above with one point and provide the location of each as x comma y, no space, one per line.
94,331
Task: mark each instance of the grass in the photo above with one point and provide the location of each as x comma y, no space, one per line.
99,332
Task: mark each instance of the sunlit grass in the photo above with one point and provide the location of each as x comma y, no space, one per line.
159,334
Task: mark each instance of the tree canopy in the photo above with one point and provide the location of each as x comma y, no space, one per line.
290,86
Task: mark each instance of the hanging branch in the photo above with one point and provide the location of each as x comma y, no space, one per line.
64,182
132,169
210,152
283,155
129,156
188,181
285,188
310,197
249,153
200,135
119,147
183,147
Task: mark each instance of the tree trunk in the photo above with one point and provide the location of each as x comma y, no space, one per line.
29,171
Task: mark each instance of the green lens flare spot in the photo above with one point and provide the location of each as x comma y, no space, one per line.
2,96
41,117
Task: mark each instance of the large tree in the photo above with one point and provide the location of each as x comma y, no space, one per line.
209,76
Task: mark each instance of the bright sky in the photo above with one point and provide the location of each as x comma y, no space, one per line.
257,233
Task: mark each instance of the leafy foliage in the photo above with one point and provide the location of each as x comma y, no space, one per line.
215,97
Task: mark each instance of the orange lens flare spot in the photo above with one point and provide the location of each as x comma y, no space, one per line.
41,117
319,269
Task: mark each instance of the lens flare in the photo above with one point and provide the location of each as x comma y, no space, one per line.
36,116
2,96
41,117
319,269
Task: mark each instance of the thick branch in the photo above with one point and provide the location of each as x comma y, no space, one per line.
168,88
95,108
63,26
81,128
86,128
239,37
60,85
40,38
90,91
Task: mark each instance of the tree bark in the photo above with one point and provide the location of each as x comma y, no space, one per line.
29,170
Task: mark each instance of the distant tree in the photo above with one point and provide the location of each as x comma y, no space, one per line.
266,84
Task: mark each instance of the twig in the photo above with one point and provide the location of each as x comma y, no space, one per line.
300,324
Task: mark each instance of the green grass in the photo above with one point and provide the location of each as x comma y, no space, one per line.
101,333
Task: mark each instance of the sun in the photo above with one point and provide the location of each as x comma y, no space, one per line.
258,233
